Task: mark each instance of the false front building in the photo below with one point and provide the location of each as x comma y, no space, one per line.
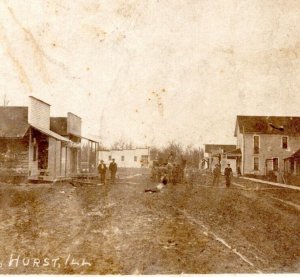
33,149
29,149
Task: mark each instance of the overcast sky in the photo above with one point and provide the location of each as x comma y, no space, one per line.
153,71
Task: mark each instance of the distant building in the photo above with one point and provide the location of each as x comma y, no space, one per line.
129,158
265,142
215,154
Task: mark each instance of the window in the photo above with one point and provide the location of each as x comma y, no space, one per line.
284,142
135,158
256,144
256,163
122,158
109,158
275,164
145,157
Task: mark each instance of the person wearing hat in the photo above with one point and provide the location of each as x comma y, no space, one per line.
113,170
102,171
216,173
228,175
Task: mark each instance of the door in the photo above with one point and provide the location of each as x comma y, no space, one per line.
275,164
269,165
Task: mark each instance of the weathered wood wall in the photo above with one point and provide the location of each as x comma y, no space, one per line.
14,157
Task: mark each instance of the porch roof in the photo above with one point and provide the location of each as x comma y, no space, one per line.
218,148
234,153
51,134
296,155
90,139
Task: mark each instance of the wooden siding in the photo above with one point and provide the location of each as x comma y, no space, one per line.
74,124
54,166
14,157
270,147
39,113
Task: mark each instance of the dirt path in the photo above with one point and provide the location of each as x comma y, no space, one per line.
120,229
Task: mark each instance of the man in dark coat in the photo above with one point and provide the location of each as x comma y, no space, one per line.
102,171
228,175
216,173
113,170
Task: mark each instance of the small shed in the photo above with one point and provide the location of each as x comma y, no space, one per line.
292,164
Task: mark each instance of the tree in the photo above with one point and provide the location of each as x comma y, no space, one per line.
175,152
5,100
122,144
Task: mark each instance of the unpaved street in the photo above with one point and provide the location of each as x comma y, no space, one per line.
186,228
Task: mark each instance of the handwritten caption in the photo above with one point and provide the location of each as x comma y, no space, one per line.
15,261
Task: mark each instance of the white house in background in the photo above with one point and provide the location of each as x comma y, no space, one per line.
129,158
265,142
217,154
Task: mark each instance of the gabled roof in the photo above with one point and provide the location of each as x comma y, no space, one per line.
13,122
285,125
59,125
39,100
209,148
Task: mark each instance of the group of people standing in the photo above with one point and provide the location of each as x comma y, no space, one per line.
217,173
102,168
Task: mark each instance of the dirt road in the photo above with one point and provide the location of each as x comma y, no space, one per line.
120,229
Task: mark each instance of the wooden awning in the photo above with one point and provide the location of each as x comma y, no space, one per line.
51,134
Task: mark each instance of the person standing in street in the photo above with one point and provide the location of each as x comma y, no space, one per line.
239,173
228,175
113,170
216,173
102,171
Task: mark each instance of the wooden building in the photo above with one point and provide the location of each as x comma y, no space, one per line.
265,142
34,146
127,158
216,154
70,128
29,149
292,169
292,164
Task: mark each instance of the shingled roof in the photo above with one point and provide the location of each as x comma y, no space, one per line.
13,122
284,125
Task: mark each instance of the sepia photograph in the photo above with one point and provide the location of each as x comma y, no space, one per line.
149,137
